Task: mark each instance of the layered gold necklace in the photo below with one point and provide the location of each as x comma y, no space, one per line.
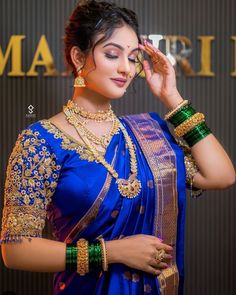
128,188
99,116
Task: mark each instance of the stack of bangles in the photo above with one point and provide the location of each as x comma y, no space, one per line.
84,256
188,123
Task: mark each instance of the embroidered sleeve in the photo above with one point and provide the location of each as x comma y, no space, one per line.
191,169
31,180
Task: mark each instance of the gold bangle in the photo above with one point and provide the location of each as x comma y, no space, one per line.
189,124
104,255
82,257
176,109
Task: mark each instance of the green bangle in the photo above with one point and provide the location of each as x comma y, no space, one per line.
197,137
98,254
185,113
71,257
196,134
196,131
91,257
95,256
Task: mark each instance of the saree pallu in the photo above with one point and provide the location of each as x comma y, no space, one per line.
50,173
92,207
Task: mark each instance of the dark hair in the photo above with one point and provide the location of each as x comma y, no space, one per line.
91,18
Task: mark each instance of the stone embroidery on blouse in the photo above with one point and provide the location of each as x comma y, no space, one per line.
67,143
31,180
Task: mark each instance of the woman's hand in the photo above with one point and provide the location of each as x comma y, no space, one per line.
139,252
161,76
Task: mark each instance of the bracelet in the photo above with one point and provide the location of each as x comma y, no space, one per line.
104,255
71,257
189,124
185,113
85,257
177,108
197,134
82,257
95,256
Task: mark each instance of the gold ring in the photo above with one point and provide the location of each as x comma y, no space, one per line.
161,254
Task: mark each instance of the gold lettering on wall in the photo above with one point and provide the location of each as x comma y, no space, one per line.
206,42
46,60
181,56
14,48
233,74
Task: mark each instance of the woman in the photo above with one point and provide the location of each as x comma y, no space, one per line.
113,189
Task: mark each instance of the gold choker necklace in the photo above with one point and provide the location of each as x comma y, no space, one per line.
99,116
129,188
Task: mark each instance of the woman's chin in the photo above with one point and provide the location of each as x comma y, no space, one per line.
117,95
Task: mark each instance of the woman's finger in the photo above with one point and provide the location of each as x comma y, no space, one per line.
155,51
166,247
158,265
156,54
159,61
153,270
147,70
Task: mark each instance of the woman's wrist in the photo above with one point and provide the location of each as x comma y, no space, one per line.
171,101
113,251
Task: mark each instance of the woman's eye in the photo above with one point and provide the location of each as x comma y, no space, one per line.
134,60
111,56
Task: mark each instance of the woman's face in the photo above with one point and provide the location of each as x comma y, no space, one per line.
115,63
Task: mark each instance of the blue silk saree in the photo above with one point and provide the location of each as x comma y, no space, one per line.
52,175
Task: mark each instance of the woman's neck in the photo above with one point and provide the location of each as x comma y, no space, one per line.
90,101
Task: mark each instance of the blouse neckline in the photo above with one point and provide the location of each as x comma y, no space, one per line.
57,126
69,142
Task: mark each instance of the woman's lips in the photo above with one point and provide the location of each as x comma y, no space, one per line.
119,82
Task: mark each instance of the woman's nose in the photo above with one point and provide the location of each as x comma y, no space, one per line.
124,67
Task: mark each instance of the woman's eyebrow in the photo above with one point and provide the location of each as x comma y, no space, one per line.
118,46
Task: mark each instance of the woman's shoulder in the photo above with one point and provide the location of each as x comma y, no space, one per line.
43,129
31,130
36,136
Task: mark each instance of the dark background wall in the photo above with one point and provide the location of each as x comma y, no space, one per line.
210,233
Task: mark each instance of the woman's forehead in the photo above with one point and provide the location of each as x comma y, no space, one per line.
124,36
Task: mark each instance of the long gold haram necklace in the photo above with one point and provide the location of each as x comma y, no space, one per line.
129,188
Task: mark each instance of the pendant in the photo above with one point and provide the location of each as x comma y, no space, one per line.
129,188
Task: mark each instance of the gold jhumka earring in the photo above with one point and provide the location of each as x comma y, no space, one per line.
79,80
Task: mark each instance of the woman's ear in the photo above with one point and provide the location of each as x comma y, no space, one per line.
77,57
